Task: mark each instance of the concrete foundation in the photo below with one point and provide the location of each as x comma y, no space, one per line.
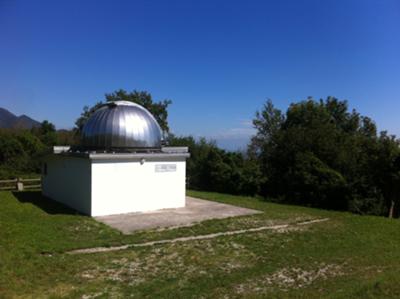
196,210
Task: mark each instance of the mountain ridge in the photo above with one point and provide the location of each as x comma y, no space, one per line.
9,120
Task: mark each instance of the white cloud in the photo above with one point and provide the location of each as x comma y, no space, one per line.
234,133
246,123
244,130
234,138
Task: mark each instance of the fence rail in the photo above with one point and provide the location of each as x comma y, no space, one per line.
20,184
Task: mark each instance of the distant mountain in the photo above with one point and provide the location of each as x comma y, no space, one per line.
9,120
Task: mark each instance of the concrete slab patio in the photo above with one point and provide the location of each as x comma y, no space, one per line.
196,210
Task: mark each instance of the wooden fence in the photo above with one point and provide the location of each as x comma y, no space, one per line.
20,184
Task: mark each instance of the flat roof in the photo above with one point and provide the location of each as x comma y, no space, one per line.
118,156
165,152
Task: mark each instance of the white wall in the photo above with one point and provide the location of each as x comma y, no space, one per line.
68,180
126,186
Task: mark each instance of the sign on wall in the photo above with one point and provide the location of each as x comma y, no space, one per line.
165,167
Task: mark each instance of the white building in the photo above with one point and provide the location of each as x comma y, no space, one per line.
121,166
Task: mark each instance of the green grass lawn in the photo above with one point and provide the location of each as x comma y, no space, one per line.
348,256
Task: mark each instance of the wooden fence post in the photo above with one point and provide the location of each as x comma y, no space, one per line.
20,184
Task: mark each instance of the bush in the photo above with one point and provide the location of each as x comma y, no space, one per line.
213,169
314,183
20,153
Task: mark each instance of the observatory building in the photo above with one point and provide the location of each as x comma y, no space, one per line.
120,167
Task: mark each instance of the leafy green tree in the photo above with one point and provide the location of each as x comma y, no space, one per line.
213,169
143,98
321,154
29,142
387,171
66,137
46,132
34,149
20,153
197,175
12,153
268,123
314,183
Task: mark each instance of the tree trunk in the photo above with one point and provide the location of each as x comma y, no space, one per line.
391,210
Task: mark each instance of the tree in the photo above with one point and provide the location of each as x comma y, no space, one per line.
387,169
267,123
143,98
12,153
20,152
213,169
321,154
66,137
46,132
314,183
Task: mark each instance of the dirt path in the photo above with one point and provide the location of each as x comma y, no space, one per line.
190,238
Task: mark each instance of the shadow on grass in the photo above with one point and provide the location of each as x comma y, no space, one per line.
44,203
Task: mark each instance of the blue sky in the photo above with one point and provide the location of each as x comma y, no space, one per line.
218,61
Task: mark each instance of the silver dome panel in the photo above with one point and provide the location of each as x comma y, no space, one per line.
121,125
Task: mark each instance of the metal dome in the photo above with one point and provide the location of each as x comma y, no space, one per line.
121,125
